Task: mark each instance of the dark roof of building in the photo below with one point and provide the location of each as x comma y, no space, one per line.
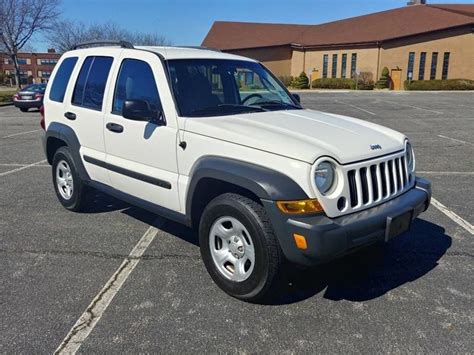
372,28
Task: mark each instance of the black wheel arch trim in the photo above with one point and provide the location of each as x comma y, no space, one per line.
265,183
68,136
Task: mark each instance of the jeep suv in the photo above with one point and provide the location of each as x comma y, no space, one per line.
216,142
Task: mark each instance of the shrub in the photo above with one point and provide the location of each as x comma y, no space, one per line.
329,83
384,81
287,80
433,85
6,96
365,81
301,82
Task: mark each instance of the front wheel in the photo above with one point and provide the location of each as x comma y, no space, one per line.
239,247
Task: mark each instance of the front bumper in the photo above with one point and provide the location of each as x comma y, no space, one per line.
28,104
329,238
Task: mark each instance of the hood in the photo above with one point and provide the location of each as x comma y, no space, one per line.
304,135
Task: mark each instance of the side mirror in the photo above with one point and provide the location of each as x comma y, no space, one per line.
297,98
139,110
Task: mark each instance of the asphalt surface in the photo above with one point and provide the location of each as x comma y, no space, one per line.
414,294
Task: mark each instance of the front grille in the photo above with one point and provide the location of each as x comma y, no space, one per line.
375,182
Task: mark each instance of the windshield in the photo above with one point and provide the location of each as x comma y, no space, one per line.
217,87
35,88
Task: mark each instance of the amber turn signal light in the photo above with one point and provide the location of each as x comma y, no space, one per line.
300,207
300,241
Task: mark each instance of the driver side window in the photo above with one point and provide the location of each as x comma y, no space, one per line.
135,82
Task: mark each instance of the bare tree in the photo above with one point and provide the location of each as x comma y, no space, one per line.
20,20
76,32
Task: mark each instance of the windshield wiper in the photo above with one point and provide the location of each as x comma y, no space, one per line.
218,108
275,102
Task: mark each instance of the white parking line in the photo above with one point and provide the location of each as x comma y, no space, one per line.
446,172
415,107
88,320
453,216
19,134
20,165
21,168
453,139
357,107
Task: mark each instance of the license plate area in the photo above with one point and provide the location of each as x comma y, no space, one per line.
27,97
398,225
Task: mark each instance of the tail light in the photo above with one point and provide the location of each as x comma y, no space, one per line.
16,97
42,123
38,96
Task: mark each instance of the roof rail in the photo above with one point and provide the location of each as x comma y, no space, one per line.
200,47
123,44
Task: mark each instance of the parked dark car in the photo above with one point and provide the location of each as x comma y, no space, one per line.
29,97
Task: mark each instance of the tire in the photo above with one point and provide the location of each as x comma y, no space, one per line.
221,221
64,169
23,109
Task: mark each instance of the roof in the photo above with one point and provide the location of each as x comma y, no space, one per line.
373,28
167,52
192,53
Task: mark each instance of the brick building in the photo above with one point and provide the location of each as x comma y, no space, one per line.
34,67
419,42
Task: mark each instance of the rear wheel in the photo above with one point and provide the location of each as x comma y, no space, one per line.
69,187
238,247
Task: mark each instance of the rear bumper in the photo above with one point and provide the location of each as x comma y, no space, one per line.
28,104
329,238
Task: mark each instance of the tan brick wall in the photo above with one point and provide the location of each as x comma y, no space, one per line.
459,43
277,59
297,62
366,61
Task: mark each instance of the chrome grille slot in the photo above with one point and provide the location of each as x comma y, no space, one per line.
352,188
365,187
374,182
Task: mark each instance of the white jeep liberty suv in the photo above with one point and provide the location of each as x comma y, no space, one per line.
215,141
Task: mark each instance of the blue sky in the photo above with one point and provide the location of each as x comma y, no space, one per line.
186,22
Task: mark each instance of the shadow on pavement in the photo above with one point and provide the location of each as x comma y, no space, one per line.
364,275
371,272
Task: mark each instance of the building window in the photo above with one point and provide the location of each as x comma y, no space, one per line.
445,66
22,61
434,65
47,61
411,65
344,66
334,66
325,65
353,65
421,72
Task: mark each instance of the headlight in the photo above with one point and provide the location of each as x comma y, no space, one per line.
410,156
324,176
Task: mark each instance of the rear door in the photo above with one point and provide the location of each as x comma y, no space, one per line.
141,155
84,110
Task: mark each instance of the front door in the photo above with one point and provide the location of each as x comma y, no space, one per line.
141,155
396,79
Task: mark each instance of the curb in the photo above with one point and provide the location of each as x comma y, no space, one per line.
2,104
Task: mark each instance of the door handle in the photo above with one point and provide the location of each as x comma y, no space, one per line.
114,127
70,116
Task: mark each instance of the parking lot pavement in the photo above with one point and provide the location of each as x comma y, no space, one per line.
413,294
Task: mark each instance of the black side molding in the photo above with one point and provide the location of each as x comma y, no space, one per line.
129,173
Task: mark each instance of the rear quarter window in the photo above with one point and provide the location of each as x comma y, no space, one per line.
61,79
91,82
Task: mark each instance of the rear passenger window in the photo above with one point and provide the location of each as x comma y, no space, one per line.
136,82
90,84
61,79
